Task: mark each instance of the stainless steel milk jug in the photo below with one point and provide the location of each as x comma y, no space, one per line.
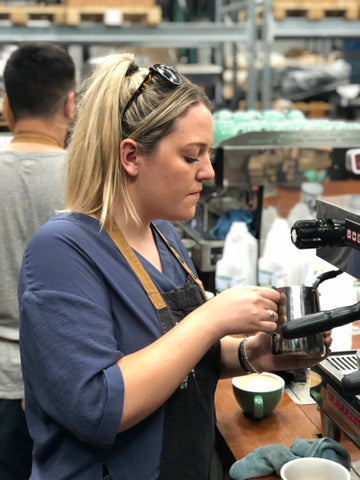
296,302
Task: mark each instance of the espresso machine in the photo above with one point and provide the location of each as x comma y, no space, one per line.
335,234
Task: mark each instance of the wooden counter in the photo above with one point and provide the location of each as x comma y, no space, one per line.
288,422
284,425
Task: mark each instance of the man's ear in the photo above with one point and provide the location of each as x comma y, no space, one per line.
8,114
129,156
69,107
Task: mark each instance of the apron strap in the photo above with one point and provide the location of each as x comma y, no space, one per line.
181,261
130,256
148,285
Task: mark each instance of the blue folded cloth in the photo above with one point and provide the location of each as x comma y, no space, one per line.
222,226
269,459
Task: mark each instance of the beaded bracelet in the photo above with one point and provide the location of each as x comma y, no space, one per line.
243,358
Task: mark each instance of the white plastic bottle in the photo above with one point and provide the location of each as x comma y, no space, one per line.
279,265
238,265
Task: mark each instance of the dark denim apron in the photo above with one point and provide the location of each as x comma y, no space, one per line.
189,422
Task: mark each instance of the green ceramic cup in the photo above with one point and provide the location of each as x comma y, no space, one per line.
315,387
258,393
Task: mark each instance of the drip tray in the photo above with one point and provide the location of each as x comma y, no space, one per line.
332,370
340,363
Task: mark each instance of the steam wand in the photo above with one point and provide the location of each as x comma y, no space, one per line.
321,321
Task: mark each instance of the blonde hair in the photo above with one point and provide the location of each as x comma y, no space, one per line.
95,178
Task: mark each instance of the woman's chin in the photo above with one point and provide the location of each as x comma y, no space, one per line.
188,217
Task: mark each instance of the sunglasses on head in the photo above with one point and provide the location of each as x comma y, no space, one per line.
165,71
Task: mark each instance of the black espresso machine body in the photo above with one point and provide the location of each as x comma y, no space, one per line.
336,235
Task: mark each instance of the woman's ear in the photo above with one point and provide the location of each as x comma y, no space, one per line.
129,156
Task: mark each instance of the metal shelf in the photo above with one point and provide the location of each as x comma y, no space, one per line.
302,28
174,34
169,34
192,35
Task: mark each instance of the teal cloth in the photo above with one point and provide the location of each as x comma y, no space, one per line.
269,459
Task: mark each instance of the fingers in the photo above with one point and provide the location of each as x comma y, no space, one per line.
268,299
266,306
271,301
327,339
247,309
271,315
271,318
270,293
269,305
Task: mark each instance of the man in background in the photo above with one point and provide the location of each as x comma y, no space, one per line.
39,106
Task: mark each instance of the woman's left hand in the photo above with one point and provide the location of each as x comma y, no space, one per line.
259,352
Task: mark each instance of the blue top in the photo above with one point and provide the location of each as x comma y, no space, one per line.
81,309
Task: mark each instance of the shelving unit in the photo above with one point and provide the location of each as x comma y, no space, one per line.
226,10
170,34
298,28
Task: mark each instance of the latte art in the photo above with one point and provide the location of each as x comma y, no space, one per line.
258,382
258,393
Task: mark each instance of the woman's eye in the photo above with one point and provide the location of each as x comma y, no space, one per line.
191,160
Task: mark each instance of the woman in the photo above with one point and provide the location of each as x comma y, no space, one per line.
121,354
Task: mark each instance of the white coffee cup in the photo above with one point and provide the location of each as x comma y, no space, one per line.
313,468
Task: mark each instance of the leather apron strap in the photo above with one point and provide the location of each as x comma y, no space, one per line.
130,256
148,285
181,261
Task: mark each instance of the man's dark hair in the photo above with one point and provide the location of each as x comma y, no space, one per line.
38,77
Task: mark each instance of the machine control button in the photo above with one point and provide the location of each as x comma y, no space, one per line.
352,233
352,160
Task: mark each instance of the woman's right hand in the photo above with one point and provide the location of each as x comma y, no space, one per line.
243,310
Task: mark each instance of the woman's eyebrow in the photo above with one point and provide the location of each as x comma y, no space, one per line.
196,144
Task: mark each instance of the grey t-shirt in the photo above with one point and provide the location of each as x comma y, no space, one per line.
31,190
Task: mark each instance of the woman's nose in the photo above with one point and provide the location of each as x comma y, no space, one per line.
206,172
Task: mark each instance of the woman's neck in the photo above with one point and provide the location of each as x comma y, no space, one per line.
141,239
133,231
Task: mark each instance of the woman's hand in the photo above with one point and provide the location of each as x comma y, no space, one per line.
243,310
259,351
